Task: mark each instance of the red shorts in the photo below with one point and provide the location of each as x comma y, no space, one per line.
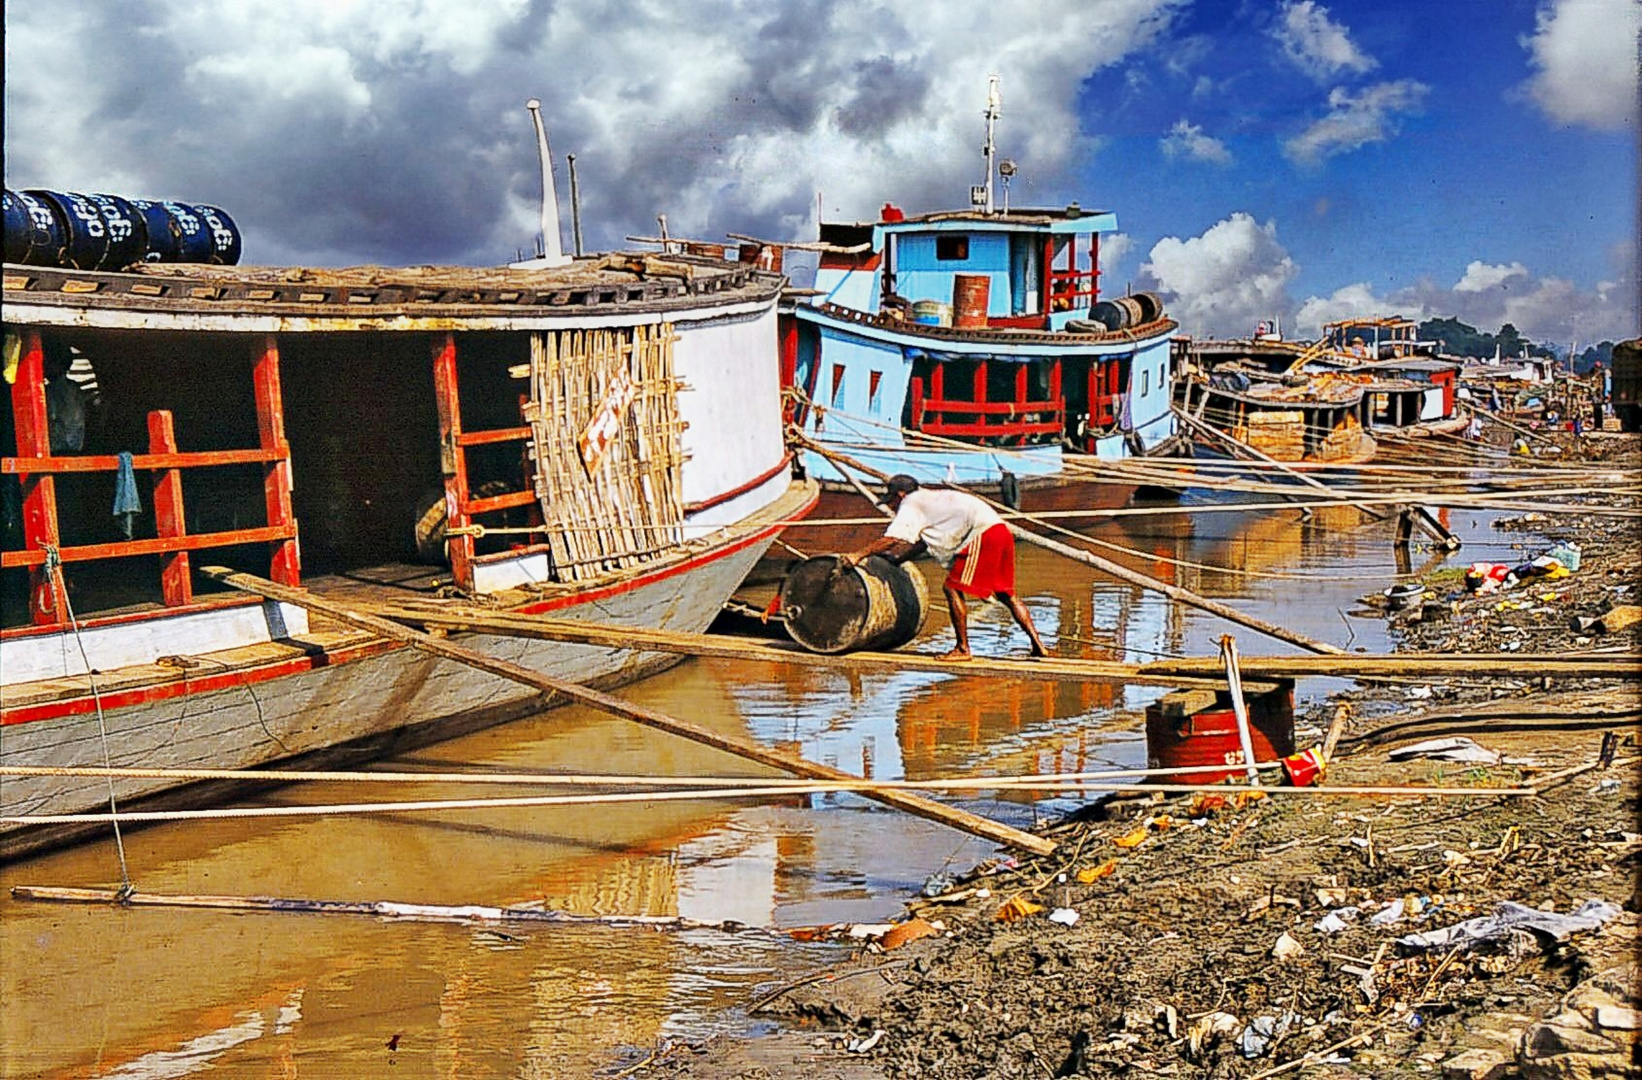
986,567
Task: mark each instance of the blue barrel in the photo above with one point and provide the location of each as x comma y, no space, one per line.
87,239
107,232
35,231
127,232
225,241
161,229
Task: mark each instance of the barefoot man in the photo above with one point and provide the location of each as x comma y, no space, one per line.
965,535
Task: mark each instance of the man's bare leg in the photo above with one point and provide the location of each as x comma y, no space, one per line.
1024,618
960,623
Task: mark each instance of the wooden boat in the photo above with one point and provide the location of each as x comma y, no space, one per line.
1324,402
601,441
974,347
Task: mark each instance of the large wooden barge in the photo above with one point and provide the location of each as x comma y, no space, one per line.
601,440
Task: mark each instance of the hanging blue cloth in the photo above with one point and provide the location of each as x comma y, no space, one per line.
127,505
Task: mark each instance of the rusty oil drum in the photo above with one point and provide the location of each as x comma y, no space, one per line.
832,608
970,296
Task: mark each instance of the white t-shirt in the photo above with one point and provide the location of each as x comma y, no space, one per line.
945,519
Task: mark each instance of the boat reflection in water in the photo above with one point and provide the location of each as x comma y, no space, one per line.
165,992
150,992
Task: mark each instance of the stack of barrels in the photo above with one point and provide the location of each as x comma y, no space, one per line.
106,232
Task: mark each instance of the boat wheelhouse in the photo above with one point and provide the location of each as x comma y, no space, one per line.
600,441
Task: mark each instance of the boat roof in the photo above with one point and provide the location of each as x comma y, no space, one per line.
1070,220
378,298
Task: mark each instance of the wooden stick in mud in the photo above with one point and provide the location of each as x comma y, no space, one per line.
1117,570
1243,447
745,748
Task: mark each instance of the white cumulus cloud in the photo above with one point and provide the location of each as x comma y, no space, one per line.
1221,283
1356,119
1584,55
1480,276
1188,141
1320,46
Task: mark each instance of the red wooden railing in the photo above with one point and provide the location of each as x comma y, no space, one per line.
1071,288
936,414
460,505
37,469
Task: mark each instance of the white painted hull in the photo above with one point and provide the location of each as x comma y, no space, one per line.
363,700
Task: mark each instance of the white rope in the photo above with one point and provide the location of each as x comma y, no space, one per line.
54,568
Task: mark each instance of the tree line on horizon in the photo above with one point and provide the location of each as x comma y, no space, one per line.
1462,339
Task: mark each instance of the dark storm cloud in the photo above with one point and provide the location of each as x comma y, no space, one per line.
339,132
885,94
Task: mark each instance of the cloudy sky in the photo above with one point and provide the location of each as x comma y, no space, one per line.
1288,158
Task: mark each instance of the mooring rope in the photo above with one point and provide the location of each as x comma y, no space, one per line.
54,568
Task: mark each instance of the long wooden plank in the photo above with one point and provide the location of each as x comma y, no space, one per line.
456,618
745,748
1626,665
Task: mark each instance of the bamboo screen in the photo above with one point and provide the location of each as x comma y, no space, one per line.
607,440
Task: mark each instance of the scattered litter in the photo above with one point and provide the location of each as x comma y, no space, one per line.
1091,874
1508,917
861,1046
1337,920
1457,748
870,930
1286,947
1262,1032
1390,915
906,932
1017,907
1064,915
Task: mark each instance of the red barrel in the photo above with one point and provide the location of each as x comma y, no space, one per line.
970,294
1197,727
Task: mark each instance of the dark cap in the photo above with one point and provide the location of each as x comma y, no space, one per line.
901,484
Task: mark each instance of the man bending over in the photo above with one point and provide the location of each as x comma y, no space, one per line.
965,535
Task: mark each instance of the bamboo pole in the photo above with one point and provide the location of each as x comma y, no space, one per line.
1286,470
752,751
453,618
1620,665
1117,570
379,909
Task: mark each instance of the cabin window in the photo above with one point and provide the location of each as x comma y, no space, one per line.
838,386
1145,383
874,379
951,248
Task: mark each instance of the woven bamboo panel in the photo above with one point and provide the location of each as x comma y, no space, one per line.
607,440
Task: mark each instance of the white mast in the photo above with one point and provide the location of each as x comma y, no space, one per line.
550,252
994,105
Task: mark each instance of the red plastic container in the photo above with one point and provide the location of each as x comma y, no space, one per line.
1198,727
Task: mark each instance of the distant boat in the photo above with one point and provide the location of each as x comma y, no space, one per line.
975,347
1324,402
602,441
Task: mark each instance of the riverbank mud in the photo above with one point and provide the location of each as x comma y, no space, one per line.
1300,934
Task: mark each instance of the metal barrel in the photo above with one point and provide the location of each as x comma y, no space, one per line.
1110,314
127,231
35,232
832,608
970,295
162,230
85,235
1151,306
225,238
108,232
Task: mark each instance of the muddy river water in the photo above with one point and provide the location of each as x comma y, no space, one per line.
160,992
